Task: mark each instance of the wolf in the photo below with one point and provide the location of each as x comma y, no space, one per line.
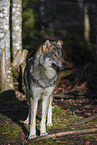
41,74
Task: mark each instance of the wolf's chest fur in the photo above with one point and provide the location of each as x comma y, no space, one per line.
44,76
48,73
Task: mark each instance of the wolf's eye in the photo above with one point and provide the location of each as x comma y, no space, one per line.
54,55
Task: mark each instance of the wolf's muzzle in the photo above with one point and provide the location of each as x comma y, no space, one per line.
64,64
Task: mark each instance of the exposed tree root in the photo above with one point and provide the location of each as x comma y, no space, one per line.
85,120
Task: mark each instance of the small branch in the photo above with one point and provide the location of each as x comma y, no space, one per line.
18,67
63,96
16,59
92,130
85,120
23,56
59,96
20,58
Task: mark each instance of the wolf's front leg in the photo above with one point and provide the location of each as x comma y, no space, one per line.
33,107
44,112
49,119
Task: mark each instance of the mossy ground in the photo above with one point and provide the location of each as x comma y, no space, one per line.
13,131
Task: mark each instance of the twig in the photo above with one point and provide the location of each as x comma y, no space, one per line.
63,96
92,130
60,96
85,120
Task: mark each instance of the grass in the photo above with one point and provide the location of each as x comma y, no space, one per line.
9,130
13,131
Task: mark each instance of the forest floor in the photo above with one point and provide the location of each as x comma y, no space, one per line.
69,105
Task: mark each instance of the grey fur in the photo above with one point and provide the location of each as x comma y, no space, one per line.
40,80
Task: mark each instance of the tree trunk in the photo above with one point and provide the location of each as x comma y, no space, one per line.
42,13
86,25
18,66
96,30
19,61
16,26
7,81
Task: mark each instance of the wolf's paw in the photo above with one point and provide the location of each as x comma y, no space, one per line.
43,134
26,122
49,124
32,136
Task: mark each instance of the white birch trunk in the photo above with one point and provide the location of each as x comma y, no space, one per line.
16,26
7,81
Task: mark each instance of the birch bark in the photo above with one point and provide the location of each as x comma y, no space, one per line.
16,26
7,81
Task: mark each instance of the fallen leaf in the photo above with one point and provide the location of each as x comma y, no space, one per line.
81,117
58,141
88,143
89,114
11,121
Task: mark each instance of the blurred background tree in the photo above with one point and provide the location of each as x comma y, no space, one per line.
53,20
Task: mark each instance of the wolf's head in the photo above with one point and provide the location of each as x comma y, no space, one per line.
51,54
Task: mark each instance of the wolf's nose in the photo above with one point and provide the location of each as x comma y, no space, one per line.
63,63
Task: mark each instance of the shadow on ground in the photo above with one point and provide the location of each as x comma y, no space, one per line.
11,107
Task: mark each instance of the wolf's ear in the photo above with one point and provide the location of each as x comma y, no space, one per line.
46,45
60,43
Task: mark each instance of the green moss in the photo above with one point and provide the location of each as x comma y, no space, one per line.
2,117
93,122
73,118
12,132
91,136
61,118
